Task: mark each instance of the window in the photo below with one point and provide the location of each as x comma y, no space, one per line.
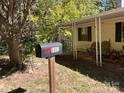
84,34
119,34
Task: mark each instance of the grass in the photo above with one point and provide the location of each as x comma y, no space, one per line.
36,83
70,78
84,88
104,75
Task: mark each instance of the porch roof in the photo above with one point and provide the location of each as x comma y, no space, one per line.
104,15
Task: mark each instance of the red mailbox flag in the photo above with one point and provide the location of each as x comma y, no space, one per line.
47,49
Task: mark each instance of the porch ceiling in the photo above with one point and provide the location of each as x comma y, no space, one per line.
104,16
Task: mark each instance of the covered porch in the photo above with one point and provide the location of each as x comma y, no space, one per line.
98,22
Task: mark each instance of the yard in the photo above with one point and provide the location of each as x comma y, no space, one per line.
71,77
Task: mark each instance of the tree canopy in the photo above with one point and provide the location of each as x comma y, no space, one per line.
50,14
111,4
13,22
18,18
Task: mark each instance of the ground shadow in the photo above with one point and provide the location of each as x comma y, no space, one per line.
18,90
107,74
7,68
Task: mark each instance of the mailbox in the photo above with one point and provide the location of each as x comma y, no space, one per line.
48,50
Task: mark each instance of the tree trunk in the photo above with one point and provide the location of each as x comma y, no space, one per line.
14,51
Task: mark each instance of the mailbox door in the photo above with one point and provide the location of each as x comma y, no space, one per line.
46,52
38,51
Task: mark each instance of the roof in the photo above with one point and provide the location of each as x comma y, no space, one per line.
119,12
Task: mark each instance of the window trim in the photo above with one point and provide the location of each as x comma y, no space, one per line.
122,31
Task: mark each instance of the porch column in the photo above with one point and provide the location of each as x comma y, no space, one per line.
100,46
74,41
96,36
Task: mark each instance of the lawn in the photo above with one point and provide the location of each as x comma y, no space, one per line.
70,78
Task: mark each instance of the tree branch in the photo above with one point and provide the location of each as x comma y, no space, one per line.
10,11
2,34
4,21
26,13
4,2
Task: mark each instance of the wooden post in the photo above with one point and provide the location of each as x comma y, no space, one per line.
51,63
96,33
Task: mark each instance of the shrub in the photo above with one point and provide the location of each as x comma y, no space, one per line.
93,48
114,54
106,47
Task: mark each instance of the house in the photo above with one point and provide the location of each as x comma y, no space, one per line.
106,26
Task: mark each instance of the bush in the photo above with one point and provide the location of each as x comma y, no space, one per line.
114,54
28,44
106,48
93,48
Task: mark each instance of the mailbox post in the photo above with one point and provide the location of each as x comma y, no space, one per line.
51,64
49,51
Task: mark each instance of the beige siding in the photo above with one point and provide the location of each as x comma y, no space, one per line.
108,33
83,45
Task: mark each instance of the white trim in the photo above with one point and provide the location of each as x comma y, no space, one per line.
100,46
85,24
122,32
96,35
75,39
117,19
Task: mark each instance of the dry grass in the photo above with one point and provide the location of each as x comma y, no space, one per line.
67,81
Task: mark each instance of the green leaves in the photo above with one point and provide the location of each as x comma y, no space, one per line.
110,4
52,13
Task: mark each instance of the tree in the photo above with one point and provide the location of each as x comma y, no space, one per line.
13,21
111,4
50,14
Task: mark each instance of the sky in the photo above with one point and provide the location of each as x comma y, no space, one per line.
104,0
122,3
